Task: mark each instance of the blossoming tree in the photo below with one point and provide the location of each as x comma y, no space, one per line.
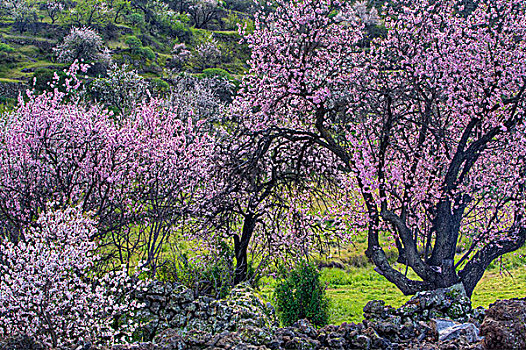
138,174
47,289
427,125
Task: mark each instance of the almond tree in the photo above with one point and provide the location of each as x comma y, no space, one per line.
427,125
261,192
47,287
83,44
137,175
60,152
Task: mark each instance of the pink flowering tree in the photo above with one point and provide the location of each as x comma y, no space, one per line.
168,178
48,291
62,152
426,126
137,174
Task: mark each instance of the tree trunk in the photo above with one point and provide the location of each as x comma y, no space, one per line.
241,248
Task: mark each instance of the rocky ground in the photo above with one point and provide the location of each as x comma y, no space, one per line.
441,319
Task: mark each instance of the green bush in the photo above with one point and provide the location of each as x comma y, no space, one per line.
133,42
160,85
216,73
6,48
43,77
136,19
147,53
211,275
300,294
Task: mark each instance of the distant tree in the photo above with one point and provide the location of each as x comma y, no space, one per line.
122,90
83,44
203,12
120,8
427,126
23,12
53,8
91,13
180,56
204,98
206,55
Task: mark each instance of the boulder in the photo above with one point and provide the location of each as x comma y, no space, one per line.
467,330
504,326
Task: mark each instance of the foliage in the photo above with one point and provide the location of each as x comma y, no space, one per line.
133,42
6,48
135,19
47,290
301,294
5,53
160,86
216,73
22,12
147,53
46,79
425,128
209,274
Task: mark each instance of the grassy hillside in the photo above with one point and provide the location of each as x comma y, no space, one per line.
140,34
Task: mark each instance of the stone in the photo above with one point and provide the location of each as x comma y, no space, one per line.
22,342
362,342
467,330
504,326
442,323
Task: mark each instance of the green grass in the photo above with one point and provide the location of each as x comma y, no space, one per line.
351,288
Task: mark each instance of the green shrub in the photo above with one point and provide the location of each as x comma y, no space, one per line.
133,43
212,274
135,19
6,48
216,73
147,53
300,294
160,85
43,77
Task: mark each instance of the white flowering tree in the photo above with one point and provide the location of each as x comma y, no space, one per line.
47,290
22,12
83,44
122,90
